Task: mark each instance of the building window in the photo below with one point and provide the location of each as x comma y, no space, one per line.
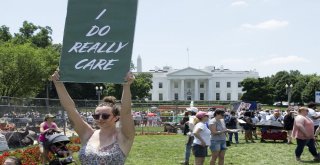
189,95
160,96
201,96
175,84
160,84
217,96
189,84
176,96
239,85
201,84
239,96
228,84
217,84
228,96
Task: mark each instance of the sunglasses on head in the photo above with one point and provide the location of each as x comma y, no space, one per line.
104,116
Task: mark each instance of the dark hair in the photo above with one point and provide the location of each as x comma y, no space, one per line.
312,104
110,101
17,161
218,112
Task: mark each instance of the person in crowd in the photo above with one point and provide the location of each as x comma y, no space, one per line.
232,124
109,144
276,116
184,122
218,130
46,127
254,120
190,137
11,160
201,137
248,128
312,114
303,131
211,112
288,124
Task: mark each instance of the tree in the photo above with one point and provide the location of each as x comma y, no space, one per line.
258,90
24,69
279,81
5,33
308,94
30,33
139,89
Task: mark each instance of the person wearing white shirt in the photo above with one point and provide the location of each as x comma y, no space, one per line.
312,114
201,137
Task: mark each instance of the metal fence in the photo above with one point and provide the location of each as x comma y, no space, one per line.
32,110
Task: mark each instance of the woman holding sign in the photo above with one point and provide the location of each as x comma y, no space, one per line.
109,144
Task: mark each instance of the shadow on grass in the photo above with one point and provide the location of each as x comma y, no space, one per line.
309,161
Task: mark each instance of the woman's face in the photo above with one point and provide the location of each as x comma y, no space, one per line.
104,116
220,116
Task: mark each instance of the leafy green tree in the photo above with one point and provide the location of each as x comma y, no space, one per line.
279,81
30,33
24,69
139,89
299,87
308,94
5,34
257,90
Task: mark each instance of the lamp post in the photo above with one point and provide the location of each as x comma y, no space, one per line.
288,92
99,90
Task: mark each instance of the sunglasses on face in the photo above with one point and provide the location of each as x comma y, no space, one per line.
104,116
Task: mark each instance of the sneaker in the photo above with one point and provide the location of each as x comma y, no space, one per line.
184,163
298,159
317,158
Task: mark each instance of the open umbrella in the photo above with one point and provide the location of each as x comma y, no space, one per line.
270,124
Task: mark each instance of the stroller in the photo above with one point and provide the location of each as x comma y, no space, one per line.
57,144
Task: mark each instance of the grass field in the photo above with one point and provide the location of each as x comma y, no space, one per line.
169,150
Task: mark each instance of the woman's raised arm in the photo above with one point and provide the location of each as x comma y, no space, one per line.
82,128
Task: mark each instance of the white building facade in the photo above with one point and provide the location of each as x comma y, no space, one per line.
198,84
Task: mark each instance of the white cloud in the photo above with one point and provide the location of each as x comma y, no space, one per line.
267,25
239,4
287,60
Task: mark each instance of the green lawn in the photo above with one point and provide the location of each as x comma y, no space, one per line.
169,150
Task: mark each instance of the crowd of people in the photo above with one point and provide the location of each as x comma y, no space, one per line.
216,128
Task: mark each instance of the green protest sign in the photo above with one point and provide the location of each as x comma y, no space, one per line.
98,40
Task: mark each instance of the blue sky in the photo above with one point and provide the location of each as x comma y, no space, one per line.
265,35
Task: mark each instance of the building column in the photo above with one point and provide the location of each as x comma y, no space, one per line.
169,91
210,91
181,96
196,90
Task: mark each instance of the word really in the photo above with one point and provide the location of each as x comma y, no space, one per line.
91,47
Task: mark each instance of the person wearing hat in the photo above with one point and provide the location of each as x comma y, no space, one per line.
48,125
201,137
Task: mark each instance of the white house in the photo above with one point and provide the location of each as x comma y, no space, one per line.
198,84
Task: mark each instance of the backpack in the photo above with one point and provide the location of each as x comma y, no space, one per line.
231,122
